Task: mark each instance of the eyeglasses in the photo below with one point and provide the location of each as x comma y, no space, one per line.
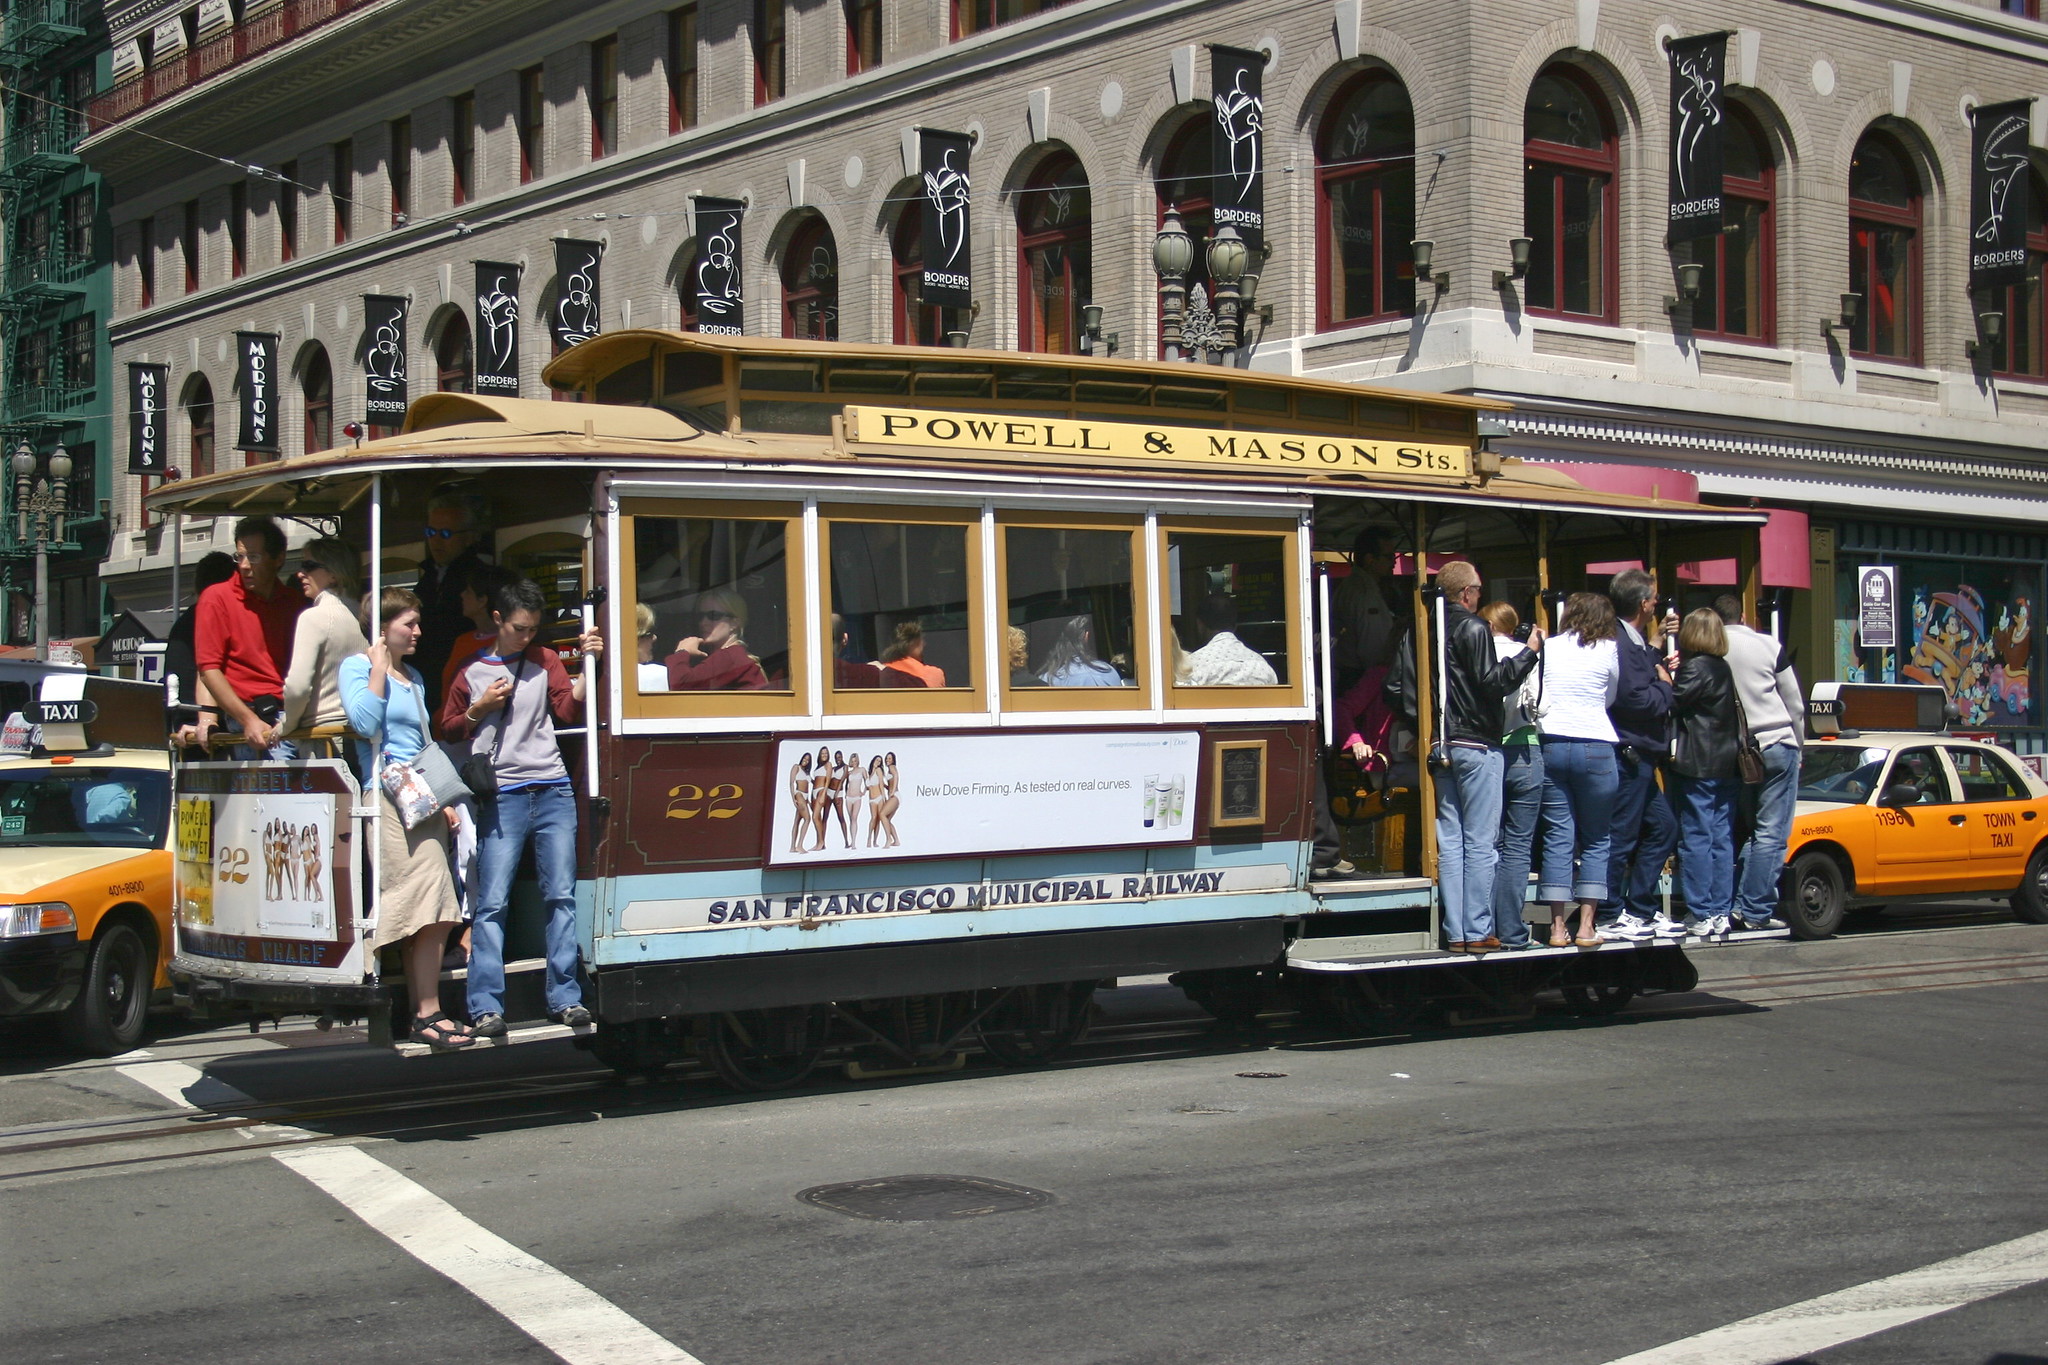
244,557
441,533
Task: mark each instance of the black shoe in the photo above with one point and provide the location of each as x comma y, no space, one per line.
576,1016
488,1026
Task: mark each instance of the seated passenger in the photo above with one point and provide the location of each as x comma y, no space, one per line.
1019,646
653,674
905,655
850,672
716,659
1224,660
106,806
1072,662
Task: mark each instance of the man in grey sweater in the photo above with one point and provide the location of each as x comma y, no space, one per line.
1768,689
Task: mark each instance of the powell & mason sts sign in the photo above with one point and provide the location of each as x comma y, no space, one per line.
1063,437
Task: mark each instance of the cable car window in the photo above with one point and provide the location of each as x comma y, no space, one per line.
1229,608
1071,613
904,601
718,592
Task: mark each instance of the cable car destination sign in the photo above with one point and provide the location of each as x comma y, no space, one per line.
1087,438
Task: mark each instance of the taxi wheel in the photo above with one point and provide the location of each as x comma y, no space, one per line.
1814,903
113,1000
2030,902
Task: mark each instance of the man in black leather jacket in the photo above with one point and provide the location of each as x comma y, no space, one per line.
1645,829
1468,779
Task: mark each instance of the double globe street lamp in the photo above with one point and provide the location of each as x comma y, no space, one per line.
39,505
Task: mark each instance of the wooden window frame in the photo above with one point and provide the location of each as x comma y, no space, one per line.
909,701
1863,213
682,69
341,189
801,243
188,245
1291,694
793,704
1328,179
398,170
604,97
319,408
238,229
2002,299
906,265
1029,323
462,147
768,34
1556,158
285,200
530,123
1054,701
858,61
1764,191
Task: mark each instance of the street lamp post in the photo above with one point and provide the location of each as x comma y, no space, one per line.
1173,255
1228,260
39,520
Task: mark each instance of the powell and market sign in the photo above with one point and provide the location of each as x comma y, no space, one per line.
1191,446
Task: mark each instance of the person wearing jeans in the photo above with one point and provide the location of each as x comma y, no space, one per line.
1769,692
505,702
1704,775
1521,788
1580,674
1645,831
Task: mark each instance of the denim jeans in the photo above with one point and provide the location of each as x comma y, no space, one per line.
1645,833
1468,800
1706,834
1759,861
1521,800
283,750
1579,780
547,815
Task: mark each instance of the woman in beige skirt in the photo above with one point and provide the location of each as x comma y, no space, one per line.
416,905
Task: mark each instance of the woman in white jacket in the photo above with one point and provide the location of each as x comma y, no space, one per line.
327,632
1580,673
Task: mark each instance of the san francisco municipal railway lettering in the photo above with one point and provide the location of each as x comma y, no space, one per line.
810,908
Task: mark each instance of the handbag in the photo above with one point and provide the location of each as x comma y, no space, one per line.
1358,792
479,772
421,787
1749,755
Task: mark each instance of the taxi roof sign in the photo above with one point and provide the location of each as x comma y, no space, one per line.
1845,708
78,712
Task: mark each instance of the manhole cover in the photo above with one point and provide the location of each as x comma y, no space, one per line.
924,1198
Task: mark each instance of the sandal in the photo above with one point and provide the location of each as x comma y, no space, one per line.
1593,942
441,1033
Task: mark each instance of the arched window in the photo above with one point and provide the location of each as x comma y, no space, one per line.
2021,349
454,356
1884,250
1053,220
1187,181
913,322
199,427
1568,200
810,284
1365,175
1738,287
316,384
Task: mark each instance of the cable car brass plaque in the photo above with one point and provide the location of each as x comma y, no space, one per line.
1088,439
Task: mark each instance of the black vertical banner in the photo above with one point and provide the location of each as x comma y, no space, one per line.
147,408
1237,81
715,279
383,359
575,317
948,280
1998,194
497,328
1698,132
256,373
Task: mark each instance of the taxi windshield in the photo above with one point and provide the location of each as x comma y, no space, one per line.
82,808
1843,776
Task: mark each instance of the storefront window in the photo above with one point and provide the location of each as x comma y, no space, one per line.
903,598
1965,626
1071,609
722,617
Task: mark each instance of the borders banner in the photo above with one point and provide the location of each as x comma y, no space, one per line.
576,312
383,359
1699,130
948,279
1237,79
497,328
715,278
147,385
1999,194
256,372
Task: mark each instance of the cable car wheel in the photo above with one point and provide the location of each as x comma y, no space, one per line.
760,1050
1035,1024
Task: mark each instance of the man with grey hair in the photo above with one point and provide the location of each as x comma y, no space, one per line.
456,522
1474,690
1768,690
1645,829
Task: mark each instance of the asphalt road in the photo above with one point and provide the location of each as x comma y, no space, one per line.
1817,1116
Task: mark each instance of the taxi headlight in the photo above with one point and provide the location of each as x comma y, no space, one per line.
37,917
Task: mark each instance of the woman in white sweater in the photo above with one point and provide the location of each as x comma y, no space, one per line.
1580,673
328,631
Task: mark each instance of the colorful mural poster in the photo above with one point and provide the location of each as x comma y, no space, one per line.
1971,629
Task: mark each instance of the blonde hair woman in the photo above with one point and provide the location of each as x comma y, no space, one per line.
1705,775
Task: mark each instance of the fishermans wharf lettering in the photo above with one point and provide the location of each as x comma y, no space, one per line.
1195,446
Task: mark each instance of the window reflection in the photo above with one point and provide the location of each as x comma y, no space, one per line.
716,594
1228,600
900,606
1071,607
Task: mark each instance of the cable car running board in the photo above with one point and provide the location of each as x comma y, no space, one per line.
1438,959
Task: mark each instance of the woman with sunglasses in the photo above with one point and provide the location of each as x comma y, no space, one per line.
715,659
326,632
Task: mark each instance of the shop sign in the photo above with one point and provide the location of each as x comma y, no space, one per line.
1877,606
383,358
947,280
912,796
1698,129
1237,141
1999,174
257,381
146,410
1067,438
715,279
577,315
497,328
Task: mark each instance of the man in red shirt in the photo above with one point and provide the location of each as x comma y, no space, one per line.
243,641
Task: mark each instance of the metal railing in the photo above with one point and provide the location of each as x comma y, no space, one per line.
29,269
254,35
50,133
31,28
40,402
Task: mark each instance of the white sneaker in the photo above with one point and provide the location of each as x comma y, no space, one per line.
1625,929
1700,928
1667,928
1720,929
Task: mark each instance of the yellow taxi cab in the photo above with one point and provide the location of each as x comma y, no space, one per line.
85,861
1894,808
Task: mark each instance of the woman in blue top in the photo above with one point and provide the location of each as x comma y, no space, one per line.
1071,662
386,700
